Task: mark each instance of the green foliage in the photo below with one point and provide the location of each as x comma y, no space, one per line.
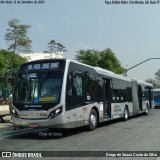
9,60
53,46
16,37
157,74
90,57
105,59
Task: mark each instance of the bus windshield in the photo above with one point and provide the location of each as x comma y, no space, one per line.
156,95
38,87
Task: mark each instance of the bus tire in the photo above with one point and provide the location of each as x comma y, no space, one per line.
126,114
93,120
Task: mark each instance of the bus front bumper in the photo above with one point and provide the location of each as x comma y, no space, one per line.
39,123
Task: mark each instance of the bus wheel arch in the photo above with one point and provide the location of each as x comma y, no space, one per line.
126,113
93,119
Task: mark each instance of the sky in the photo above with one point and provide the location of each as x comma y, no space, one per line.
131,31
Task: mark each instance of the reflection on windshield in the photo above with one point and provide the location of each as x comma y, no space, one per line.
38,87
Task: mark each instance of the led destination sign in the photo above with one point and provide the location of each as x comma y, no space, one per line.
43,65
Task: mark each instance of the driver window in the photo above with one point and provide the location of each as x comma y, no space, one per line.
74,86
77,85
74,92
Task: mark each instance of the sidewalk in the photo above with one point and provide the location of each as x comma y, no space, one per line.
6,126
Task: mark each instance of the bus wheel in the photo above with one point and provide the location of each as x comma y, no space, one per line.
126,114
92,120
147,110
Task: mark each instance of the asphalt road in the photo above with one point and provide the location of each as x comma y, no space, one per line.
141,133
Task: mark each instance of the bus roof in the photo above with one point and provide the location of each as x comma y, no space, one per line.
97,70
104,71
111,74
144,83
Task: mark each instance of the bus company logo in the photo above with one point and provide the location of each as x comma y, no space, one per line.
32,106
6,154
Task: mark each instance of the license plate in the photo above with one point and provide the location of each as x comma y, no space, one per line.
33,125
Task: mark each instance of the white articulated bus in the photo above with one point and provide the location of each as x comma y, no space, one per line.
62,93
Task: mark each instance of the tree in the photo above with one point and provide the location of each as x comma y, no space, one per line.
152,81
105,59
157,74
60,47
51,46
108,60
6,62
54,47
90,57
16,37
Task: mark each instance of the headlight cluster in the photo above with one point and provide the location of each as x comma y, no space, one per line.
14,113
55,113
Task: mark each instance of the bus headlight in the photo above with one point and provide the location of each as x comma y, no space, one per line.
14,113
55,113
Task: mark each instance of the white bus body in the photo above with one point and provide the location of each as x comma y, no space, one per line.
81,95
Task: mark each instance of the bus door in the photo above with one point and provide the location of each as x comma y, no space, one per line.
75,98
150,97
140,97
135,97
107,98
